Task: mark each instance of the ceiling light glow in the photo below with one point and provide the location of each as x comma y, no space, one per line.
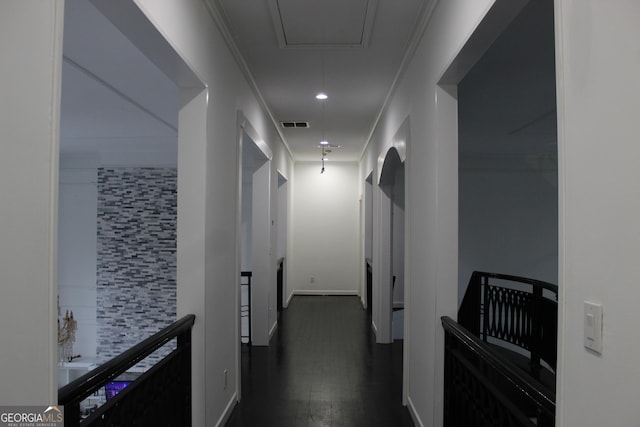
322,96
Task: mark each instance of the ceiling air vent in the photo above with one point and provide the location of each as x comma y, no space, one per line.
290,125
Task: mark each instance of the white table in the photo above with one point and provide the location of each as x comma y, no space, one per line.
69,371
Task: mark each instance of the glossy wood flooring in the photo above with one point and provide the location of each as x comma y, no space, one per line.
322,368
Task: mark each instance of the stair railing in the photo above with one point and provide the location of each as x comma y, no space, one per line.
245,307
482,389
160,396
516,310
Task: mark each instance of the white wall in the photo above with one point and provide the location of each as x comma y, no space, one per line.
31,50
508,197
245,227
282,235
431,199
598,203
382,266
508,221
325,253
77,240
262,257
282,220
208,196
190,245
397,297
598,105
368,219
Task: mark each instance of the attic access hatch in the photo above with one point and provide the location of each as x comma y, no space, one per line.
309,23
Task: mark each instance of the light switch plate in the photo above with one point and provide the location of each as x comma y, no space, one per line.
593,326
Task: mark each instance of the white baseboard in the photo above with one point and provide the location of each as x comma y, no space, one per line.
273,330
321,292
414,415
228,410
289,299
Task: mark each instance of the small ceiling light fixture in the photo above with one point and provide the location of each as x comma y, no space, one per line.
322,96
324,143
324,157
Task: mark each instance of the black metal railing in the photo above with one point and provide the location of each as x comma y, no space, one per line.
515,310
482,389
160,396
369,275
245,307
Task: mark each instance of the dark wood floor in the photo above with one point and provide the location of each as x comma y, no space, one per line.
322,368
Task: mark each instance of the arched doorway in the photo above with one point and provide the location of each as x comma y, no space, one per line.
388,291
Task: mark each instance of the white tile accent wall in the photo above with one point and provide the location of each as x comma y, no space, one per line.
136,265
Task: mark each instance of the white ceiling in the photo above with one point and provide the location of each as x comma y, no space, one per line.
506,103
351,50
115,100
305,24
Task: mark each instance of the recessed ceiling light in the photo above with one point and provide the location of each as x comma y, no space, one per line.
324,142
322,96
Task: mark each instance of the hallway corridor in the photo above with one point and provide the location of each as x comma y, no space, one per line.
322,368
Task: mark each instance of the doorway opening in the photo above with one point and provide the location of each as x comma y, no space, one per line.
508,175
281,231
392,225
367,293
255,237
503,82
117,192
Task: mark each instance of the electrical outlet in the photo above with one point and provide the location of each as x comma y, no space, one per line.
225,379
312,279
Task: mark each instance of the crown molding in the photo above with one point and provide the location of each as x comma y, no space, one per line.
217,14
421,25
